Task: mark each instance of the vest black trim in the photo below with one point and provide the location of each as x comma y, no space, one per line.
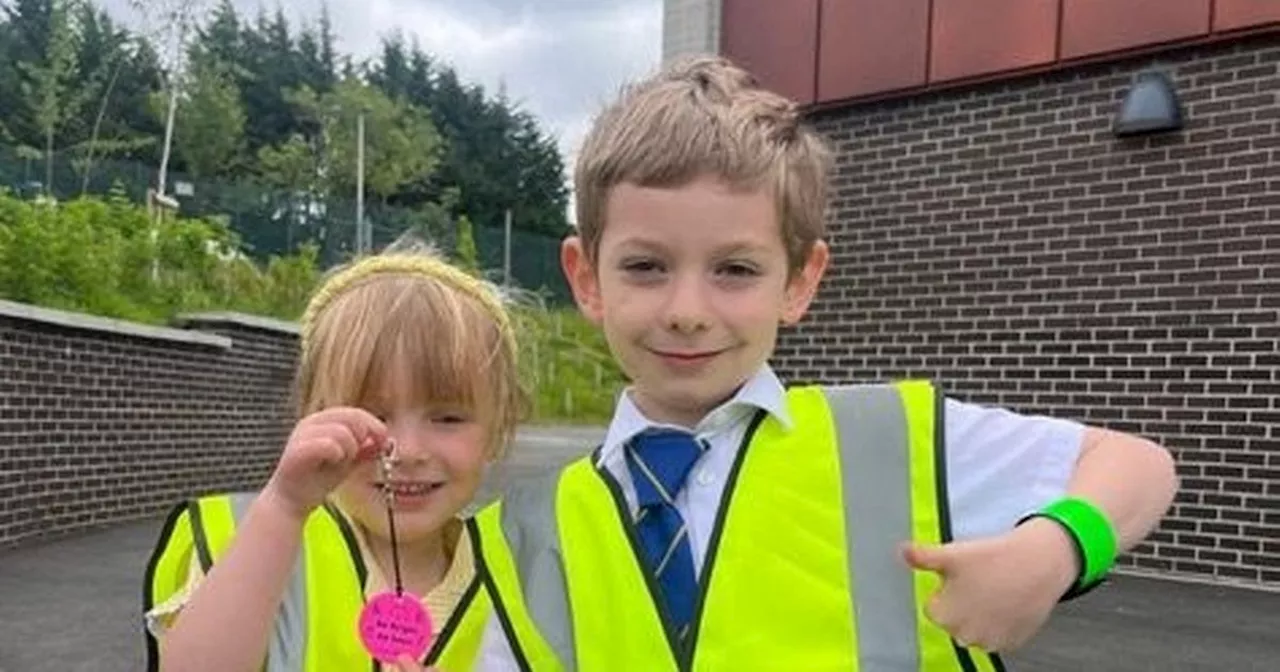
446,633
713,544
482,573
628,527
353,547
199,537
166,531
357,558
963,655
683,654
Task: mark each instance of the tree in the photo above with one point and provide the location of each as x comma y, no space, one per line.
468,255
291,168
209,132
171,22
438,146
402,145
105,53
496,154
47,86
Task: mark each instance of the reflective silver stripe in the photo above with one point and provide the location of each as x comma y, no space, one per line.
875,464
529,525
287,647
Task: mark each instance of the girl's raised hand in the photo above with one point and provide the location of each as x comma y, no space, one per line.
322,450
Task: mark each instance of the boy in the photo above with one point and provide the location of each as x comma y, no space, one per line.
729,523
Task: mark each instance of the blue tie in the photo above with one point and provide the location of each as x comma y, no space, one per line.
659,462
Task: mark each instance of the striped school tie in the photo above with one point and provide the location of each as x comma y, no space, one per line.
659,462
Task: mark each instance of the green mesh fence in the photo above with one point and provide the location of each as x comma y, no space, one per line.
274,222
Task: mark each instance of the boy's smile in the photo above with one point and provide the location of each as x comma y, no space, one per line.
689,285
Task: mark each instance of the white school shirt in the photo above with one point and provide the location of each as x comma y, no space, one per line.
1001,466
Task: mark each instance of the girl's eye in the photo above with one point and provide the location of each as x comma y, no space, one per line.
451,418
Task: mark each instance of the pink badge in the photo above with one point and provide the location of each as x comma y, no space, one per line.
392,625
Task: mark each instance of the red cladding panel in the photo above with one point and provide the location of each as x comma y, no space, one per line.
1099,26
870,46
978,37
1235,14
776,41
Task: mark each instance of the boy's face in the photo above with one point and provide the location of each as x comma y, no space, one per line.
690,285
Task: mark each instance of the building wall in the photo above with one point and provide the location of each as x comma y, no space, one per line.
999,239
104,421
826,52
690,27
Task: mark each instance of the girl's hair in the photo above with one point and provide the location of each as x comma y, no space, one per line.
411,309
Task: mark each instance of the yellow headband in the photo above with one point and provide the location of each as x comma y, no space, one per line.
407,264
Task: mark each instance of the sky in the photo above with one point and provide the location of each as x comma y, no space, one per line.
560,60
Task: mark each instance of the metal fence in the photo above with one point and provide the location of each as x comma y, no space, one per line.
275,222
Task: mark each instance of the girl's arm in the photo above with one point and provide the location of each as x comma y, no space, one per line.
226,624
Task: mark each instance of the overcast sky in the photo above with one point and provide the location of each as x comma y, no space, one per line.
560,59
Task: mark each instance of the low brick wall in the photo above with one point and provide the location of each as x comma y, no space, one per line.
103,421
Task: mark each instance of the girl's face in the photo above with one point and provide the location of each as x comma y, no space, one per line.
441,452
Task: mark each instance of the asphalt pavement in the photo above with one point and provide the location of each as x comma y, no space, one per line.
72,605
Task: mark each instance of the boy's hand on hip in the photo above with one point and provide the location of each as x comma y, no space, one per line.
997,593
322,451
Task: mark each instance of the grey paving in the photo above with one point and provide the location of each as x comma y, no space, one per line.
72,605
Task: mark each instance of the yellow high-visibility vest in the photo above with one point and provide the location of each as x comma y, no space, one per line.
803,570
316,630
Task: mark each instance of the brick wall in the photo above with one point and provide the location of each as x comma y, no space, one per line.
1000,239
104,421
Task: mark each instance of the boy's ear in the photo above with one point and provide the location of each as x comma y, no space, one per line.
804,284
582,278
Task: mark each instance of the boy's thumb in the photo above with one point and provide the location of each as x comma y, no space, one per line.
926,558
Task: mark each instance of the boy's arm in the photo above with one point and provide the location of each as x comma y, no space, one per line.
1131,479
1000,582
237,600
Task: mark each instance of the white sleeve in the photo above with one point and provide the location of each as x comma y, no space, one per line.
1003,465
495,651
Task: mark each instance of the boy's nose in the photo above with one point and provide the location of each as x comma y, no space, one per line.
687,306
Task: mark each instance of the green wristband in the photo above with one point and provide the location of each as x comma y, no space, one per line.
1094,537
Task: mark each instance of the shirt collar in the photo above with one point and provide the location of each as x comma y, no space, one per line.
763,391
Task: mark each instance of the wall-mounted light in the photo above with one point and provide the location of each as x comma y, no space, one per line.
1150,106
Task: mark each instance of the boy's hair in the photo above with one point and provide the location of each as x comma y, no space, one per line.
704,116
411,309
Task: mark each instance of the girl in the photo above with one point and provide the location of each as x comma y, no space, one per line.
407,389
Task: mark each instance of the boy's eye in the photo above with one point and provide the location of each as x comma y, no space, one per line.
640,266
738,269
